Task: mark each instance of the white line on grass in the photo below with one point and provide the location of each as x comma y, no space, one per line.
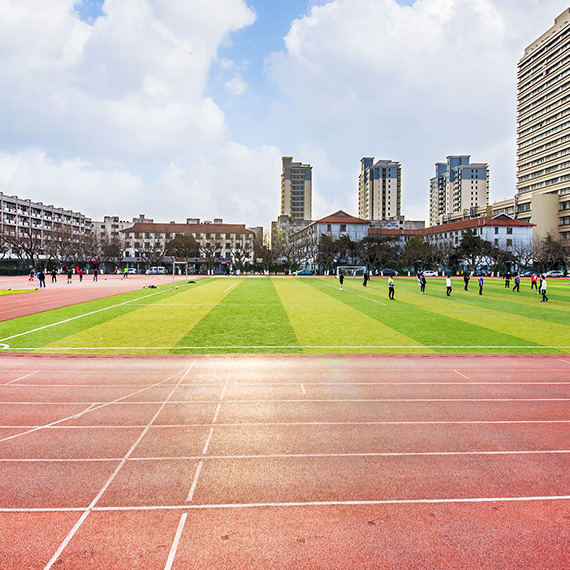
356,294
94,502
194,482
174,547
287,346
79,317
21,378
230,287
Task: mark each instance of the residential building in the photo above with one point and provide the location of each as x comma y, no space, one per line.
39,222
501,230
296,189
379,189
458,186
336,225
543,132
111,226
284,227
219,243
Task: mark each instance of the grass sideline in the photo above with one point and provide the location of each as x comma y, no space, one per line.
303,315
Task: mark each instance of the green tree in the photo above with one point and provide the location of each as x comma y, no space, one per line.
182,247
473,249
327,250
417,254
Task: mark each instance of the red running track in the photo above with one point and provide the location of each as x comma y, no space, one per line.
62,294
285,462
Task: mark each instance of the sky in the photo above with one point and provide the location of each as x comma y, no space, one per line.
184,109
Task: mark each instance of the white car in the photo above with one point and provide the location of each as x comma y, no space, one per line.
430,273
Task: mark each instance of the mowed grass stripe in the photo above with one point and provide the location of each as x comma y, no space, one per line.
426,326
251,315
486,311
321,320
106,306
161,323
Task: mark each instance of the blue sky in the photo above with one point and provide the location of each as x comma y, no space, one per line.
184,109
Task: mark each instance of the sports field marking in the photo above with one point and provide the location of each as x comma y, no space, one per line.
303,390
285,346
223,391
97,407
231,287
356,294
194,482
460,374
145,508
289,456
207,444
175,542
566,361
94,502
77,317
21,378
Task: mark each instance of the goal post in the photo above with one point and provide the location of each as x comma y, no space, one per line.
184,267
351,270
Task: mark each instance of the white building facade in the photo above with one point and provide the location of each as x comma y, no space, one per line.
296,189
379,189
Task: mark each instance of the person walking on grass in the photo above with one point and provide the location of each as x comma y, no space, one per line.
365,279
540,278
517,283
533,282
508,280
543,289
448,286
481,281
422,283
341,279
466,278
391,288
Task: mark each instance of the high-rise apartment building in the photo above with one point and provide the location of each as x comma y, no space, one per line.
458,186
379,189
543,132
296,189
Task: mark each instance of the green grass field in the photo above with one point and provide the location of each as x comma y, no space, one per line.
311,315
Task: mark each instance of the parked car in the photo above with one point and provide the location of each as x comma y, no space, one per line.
156,271
389,272
304,272
430,273
554,273
131,271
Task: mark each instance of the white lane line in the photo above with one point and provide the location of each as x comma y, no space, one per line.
223,391
303,390
207,444
217,412
194,507
357,294
565,361
91,409
230,287
290,400
339,347
460,374
175,542
21,378
194,482
370,454
94,502
80,316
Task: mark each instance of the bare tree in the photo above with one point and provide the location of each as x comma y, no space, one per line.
26,243
550,253
523,253
111,248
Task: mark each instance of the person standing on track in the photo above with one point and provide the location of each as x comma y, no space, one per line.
448,286
391,288
481,281
95,273
69,275
42,278
53,276
543,289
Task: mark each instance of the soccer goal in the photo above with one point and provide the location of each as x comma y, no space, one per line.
351,270
183,270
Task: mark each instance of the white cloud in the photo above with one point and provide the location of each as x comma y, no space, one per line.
414,84
236,85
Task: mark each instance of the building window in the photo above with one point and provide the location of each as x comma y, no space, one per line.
509,243
496,231
343,227
496,242
510,231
